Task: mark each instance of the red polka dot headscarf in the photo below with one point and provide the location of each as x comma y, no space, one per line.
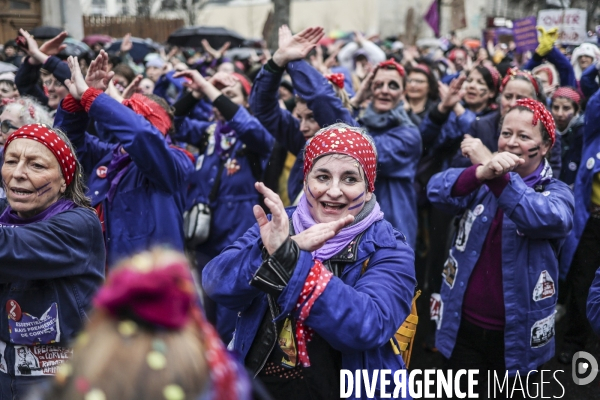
347,140
43,134
540,113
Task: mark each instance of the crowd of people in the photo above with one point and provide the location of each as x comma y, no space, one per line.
314,189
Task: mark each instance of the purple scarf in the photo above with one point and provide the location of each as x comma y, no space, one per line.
540,176
119,165
224,132
302,220
10,218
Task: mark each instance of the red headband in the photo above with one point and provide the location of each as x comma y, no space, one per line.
150,110
393,64
514,72
567,92
540,113
46,136
245,84
495,75
423,68
343,141
336,79
548,72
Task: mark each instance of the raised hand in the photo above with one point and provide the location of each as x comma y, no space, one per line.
195,80
76,85
297,46
500,164
221,80
475,150
98,74
126,44
133,87
453,95
364,91
216,54
55,45
274,232
315,237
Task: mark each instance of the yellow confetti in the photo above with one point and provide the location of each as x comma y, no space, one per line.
63,372
83,339
156,360
95,394
173,392
142,262
127,328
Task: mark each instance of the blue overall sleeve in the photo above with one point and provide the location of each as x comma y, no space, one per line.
320,97
547,215
162,164
398,151
439,192
189,130
67,244
588,82
250,131
90,150
563,66
264,103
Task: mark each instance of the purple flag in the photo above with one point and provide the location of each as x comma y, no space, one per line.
433,18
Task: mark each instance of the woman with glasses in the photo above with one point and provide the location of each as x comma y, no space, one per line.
421,92
39,65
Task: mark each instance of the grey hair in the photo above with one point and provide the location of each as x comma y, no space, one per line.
76,190
30,106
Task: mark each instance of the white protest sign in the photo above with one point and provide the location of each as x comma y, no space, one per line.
571,23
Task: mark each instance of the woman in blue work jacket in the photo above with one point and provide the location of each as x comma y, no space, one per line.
323,286
499,287
138,184
234,152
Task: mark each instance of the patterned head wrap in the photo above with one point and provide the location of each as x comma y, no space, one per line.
567,92
41,133
540,113
340,140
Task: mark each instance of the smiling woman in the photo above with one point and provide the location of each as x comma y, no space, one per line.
48,234
321,287
499,279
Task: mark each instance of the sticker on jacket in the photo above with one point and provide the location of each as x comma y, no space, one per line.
3,365
464,229
542,331
450,270
544,287
40,360
31,330
436,309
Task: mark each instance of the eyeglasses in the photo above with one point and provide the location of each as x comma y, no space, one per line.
415,81
49,82
6,126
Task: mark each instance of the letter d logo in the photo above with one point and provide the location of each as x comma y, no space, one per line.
589,366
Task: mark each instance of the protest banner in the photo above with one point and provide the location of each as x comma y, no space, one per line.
525,34
571,23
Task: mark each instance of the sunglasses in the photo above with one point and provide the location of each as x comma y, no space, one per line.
6,126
